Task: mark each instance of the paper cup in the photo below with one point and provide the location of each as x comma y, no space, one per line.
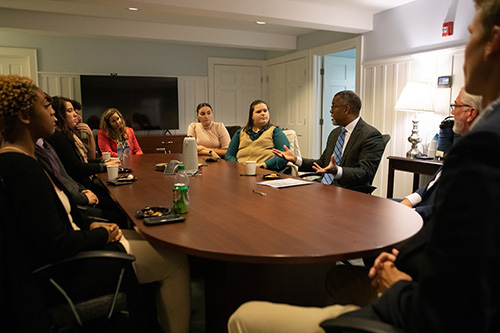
251,167
112,172
106,156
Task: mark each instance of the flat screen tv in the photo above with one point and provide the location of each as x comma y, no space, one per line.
147,103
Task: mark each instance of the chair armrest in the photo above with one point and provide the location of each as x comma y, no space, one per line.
353,324
85,255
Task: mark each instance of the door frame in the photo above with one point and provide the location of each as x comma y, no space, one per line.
317,84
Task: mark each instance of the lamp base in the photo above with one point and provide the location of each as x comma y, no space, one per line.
414,139
412,153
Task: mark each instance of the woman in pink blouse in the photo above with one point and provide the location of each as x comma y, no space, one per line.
212,137
112,130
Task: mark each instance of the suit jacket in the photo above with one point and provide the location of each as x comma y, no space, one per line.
360,159
457,289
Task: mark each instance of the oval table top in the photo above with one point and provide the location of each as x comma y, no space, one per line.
228,221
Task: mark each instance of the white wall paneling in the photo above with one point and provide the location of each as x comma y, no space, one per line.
384,80
61,84
192,91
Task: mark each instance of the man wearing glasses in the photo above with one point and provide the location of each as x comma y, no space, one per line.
465,109
353,150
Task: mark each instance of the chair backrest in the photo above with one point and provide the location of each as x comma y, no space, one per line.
368,189
95,132
232,130
294,142
386,138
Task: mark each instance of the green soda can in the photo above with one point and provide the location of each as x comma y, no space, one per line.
181,191
181,198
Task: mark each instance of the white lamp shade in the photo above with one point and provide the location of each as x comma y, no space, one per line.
416,96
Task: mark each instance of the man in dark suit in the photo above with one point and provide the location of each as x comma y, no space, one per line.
360,147
458,289
465,110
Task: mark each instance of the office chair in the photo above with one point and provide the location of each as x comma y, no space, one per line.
291,135
232,130
351,324
95,133
51,284
67,309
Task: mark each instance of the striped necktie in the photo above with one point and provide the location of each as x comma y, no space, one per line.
337,153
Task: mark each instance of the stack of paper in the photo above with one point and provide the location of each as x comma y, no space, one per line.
286,182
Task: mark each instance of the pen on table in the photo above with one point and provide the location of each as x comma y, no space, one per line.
259,192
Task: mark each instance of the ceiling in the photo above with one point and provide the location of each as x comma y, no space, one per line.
230,23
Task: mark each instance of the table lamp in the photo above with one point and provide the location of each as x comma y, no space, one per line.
416,97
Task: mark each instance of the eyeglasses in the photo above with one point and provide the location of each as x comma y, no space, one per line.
453,107
337,106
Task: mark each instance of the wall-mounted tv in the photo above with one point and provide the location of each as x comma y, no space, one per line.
147,103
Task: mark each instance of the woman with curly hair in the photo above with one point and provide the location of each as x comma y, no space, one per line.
41,224
112,130
37,227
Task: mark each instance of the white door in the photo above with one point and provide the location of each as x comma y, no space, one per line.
19,62
235,88
288,99
277,94
339,74
297,102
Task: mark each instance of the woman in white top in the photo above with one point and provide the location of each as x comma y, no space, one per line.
211,137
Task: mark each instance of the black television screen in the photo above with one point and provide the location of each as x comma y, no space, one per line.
146,102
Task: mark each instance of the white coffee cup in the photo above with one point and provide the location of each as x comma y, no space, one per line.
251,167
112,172
106,156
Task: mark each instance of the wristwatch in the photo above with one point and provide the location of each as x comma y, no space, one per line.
210,152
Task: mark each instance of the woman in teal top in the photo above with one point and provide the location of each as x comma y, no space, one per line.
255,141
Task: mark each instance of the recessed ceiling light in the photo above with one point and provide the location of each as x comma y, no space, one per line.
133,9
260,22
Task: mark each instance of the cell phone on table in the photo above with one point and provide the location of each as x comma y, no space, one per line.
165,219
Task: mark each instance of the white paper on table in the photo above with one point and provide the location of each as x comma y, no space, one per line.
287,182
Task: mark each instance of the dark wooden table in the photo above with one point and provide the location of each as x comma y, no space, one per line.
246,236
418,167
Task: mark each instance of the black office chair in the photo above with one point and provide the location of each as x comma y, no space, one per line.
351,324
66,311
232,130
70,309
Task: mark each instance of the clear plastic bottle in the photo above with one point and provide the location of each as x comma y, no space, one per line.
120,149
126,149
126,154
181,190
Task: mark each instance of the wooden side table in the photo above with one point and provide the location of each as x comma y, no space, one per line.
418,167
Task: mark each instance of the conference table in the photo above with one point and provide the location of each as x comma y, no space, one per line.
253,246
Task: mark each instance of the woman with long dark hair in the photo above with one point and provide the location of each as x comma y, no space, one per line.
255,141
211,137
69,147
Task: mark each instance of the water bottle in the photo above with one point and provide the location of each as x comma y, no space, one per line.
181,190
433,146
120,149
126,154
